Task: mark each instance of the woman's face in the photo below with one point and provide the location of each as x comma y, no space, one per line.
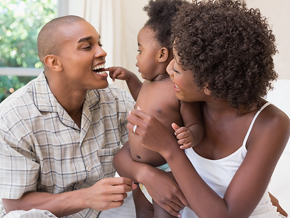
184,85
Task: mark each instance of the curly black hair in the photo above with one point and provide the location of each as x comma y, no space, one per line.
228,47
161,13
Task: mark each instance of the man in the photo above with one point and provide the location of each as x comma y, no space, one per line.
59,133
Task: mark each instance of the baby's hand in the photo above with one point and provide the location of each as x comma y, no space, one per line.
119,73
184,136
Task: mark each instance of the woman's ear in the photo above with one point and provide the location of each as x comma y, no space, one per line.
53,62
163,54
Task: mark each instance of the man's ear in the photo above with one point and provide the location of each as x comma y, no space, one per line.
206,89
163,54
53,62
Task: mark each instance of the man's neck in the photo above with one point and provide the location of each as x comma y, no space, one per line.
71,100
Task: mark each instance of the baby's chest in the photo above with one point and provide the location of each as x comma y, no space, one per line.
160,103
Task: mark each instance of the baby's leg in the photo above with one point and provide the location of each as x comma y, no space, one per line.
159,212
144,209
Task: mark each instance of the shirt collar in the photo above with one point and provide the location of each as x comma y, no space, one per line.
46,101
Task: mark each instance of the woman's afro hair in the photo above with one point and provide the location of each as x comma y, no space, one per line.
228,47
161,13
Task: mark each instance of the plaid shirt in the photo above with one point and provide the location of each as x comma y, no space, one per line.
43,150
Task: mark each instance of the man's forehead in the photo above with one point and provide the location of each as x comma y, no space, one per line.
80,32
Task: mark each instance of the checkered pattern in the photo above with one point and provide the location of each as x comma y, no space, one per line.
42,149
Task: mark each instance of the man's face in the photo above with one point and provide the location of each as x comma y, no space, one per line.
82,57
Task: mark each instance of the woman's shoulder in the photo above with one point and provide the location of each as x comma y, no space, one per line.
272,126
273,116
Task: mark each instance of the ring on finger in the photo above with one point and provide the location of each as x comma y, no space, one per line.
134,128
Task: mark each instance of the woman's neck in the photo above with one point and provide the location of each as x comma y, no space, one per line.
219,109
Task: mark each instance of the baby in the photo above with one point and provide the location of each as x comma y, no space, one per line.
156,95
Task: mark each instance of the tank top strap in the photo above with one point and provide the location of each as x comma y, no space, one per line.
253,121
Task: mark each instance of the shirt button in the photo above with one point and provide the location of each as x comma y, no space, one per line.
88,168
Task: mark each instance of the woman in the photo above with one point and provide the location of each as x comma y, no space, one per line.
222,58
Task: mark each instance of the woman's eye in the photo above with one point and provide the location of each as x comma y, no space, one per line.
174,70
100,44
139,51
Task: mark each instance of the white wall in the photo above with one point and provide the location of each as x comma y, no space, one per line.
276,12
133,18
278,16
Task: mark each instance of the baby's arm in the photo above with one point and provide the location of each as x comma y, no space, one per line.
131,79
192,132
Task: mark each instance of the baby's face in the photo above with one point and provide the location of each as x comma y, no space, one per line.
148,52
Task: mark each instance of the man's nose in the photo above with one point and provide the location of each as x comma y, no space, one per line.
100,52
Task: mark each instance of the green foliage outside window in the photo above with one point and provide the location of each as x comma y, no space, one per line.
20,23
9,84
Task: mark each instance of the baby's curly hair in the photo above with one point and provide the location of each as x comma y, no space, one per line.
228,47
161,13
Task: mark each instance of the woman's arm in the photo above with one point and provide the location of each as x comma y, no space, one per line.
266,144
159,184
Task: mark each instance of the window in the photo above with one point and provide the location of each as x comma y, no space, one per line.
20,22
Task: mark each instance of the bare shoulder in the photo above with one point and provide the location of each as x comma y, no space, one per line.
271,128
273,117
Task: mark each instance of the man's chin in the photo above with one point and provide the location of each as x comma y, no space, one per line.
103,85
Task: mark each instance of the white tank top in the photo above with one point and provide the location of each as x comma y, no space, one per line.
219,173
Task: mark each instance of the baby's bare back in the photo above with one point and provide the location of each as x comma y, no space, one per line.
158,99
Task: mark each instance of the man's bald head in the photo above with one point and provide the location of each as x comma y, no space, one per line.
50,36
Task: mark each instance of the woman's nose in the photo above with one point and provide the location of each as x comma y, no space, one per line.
169,68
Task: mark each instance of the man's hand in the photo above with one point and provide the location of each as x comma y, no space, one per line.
105,194
184,136
108,193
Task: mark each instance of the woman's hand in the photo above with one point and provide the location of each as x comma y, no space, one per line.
150,132
160,185
165,192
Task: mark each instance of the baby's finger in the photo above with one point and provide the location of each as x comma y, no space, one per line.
175,126
181,142
111,72
182,135
181,130
186,146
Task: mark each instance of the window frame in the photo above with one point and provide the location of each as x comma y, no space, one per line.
62,9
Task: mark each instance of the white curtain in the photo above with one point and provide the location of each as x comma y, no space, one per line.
106,16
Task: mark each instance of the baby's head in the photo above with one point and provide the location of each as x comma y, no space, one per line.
154,39
228,47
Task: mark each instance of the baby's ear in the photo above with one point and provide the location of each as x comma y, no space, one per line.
53,62
206,89
163,54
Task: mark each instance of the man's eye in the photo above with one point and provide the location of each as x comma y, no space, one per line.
100,44
139,51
